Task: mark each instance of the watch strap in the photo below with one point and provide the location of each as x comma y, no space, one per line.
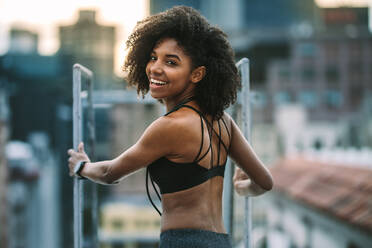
80,165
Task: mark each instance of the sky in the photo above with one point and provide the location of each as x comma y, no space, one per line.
43,16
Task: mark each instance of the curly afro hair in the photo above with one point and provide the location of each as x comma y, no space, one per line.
206,45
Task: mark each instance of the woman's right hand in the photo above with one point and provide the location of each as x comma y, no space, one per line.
75,157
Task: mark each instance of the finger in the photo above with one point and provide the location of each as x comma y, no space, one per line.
240,174
81,147
70,151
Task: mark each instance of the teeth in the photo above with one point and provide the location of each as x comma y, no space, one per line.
157,82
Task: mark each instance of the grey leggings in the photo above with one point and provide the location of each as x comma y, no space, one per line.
193,238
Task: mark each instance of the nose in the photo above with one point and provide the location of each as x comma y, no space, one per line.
155,67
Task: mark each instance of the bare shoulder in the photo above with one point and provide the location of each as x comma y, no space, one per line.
171,122
160,129
182,121
233,126
227,118
167,130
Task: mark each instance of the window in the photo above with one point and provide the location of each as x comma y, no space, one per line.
355,49
332,74
333,98
331,51
282,97
352,245
307,74
284,73
308,99
318,144
117,224
355,72
356,95
307,49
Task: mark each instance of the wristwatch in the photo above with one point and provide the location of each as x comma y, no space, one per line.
78,168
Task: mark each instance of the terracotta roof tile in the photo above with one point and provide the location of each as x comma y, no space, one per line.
339,190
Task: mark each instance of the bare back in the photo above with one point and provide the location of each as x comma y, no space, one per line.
198,207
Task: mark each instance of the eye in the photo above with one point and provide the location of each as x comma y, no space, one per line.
153,58
171,62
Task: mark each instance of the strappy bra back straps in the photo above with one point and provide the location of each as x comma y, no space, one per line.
173,177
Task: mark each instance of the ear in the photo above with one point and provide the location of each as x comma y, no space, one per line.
198,74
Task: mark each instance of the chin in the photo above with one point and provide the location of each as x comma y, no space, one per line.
156,96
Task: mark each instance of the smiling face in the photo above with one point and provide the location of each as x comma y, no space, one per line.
170,72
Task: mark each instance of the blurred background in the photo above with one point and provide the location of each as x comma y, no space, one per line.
311,79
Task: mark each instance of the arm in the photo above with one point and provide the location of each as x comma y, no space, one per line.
154,143
251,177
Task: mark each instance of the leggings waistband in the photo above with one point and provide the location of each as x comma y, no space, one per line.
190,238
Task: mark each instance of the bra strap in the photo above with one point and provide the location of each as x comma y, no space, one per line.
180,105
208,124
202,139
219,144
148,193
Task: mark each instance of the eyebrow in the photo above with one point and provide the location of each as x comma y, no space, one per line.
172,56
169,55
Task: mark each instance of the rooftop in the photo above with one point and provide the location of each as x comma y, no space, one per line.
341,191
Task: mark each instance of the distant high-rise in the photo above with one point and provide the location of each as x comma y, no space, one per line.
91,45
23,41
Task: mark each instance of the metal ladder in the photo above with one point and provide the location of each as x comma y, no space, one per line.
80,74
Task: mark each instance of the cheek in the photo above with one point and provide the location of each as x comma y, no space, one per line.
147,69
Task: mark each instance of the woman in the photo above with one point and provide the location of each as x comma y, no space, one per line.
188,65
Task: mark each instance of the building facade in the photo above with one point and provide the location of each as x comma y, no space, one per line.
88,43
329,75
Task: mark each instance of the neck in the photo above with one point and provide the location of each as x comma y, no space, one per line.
170,104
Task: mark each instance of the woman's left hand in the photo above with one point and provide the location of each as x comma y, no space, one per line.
75,157
245,186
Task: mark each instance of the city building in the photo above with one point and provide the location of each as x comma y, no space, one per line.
23,41
360,125
88,43
32,194
129,223
320,203
318,57
37,87
328,74
298,133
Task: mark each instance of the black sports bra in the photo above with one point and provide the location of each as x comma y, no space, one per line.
173,177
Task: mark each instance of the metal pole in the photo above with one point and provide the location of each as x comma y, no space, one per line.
77,138
4,208
228,197
93,201
247,124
